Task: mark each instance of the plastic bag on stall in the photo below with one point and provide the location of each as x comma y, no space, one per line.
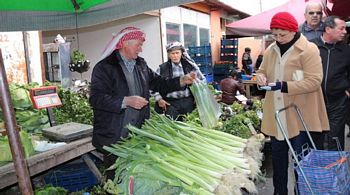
208,108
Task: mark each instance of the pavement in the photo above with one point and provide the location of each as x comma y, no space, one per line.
266,188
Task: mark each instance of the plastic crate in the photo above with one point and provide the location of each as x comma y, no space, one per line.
219,77
209,78
225,42
205,69
246,77
226,57
202,59
221,69
233,51
73,177
199,50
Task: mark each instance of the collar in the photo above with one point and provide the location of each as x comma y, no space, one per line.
130,64
325,43
178,64
320,27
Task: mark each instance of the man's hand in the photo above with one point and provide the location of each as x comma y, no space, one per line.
136,102
163,104
347,93
188,78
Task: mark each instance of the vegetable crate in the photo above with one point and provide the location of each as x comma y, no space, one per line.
204,50
205,70
229,50
73,177
202,56
209,78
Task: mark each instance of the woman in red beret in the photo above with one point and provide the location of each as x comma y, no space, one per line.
291,72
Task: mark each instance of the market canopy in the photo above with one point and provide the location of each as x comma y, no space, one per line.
52,5
19,15
259,24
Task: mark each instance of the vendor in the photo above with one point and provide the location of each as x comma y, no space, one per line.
177,103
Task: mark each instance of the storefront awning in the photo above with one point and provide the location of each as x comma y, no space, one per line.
17,17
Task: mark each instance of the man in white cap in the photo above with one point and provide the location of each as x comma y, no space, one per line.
120,85
177,103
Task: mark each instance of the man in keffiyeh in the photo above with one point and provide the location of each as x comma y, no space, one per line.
120,85
177,103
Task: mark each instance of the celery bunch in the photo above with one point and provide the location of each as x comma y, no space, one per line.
172,157
209,110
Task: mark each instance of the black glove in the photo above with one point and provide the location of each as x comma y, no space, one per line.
272,86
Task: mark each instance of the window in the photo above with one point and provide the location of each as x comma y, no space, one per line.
189,27
172,32
203,36
190,35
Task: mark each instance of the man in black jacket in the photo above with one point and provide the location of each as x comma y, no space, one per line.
177,103
120,85
336,77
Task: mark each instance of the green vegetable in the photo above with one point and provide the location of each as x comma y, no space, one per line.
19,96
209,110
75,108
6,155
172,156
51,190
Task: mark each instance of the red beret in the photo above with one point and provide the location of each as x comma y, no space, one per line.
285,21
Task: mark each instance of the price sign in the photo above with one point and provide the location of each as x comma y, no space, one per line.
45,97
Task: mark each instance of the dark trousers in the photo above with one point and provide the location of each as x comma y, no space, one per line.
177,108
109,160
280,160
336,111
318,138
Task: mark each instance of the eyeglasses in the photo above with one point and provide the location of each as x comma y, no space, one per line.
313,13
275,36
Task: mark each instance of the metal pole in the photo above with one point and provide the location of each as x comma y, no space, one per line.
20,164
26,55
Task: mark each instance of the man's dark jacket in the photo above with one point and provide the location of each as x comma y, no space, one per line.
336,68
108,89
166,70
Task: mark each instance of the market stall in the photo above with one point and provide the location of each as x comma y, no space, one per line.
44,161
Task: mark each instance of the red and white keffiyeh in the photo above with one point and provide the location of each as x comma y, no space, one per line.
128,33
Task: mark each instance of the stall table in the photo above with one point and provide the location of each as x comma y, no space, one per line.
46,160
247,85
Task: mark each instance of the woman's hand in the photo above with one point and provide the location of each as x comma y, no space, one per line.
261,79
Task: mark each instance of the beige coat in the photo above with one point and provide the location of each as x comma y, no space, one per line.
305,92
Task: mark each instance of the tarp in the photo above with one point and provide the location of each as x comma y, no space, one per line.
24,19
52,5
259,24
341,8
